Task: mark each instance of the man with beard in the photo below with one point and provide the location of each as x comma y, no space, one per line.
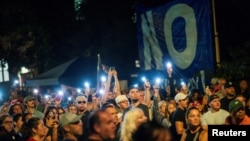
230,94
237,114
29,103
72,126
134,95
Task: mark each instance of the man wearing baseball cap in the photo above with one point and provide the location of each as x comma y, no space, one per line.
237,114
71,125
215,115
178,120
230,95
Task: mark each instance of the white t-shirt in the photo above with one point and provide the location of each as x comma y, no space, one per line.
215,118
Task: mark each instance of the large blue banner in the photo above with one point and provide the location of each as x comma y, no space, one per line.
181,32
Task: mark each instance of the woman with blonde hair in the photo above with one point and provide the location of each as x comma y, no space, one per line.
132,119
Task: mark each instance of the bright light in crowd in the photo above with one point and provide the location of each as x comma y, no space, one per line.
135,85
78,90
60,92
86,84
183,83
16,81
103,78
35,91
46,97
69,98
101,91
143,79
169,65
158,80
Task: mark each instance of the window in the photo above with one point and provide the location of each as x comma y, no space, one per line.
4,73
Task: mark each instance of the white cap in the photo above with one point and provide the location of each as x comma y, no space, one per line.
120,98
180,96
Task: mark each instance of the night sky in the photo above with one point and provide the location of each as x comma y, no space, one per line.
114,17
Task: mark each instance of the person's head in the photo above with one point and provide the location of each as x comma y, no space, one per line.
193,117
182,100
134,93
170,108
230,89
241,98
52,111
81,103
243,84
34,128
110,108
61,111
122,102
71,124
16,108
162,106
132,119
151,131
237,109
29,101
4,109
214,102
195,94
171,100
6,122
101,124
27,116
73,109
18,121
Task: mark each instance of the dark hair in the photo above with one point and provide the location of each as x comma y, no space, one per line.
25,115
48,113
94,118
149,131
107,105
27,127
190,109
11,109
3,117
16,117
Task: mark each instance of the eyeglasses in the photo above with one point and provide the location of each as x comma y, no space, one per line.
83,102
77,122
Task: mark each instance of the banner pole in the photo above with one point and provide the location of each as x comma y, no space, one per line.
216,36
98,72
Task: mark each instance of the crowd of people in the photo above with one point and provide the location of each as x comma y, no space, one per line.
146,113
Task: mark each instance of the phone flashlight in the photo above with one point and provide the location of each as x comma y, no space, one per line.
103,78
86,84
169,65
143,79
157,80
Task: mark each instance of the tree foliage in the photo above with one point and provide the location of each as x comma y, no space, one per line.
236,64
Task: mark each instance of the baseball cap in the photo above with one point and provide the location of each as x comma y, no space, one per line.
235,105
214,80
228,84
120,98
28,98
180,96
212,97
68,118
